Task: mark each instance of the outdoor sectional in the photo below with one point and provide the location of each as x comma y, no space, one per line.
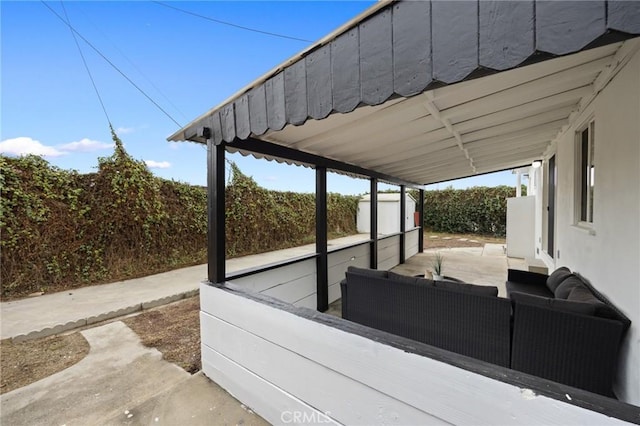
564,329
473,322
535,330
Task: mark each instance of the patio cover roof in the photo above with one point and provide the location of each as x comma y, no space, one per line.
427,91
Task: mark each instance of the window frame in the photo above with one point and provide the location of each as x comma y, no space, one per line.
585,174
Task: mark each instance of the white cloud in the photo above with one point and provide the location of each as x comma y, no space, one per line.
24,145
124,130
157,164
84,145
271,178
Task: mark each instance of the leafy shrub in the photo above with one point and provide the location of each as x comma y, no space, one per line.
477,210
260,220
60,229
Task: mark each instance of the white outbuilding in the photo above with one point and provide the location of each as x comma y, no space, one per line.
388,213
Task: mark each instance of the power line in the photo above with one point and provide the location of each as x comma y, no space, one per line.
111,63
133,65
85,64
218,21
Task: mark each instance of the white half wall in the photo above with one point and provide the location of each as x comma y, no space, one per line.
282,366
338,262
388,252
411,243
608,254
294,283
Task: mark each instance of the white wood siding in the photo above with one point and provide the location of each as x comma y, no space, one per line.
295,283
388,252
277,364
339,261
411,243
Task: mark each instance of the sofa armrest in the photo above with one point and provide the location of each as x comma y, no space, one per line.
344,302
570,348
526,277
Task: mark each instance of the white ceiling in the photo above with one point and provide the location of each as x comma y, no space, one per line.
493,123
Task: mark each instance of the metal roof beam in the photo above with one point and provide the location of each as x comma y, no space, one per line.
286,153
435,112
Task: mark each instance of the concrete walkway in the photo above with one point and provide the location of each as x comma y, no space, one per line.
122,382
55,313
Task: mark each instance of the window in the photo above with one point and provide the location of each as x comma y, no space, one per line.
586,174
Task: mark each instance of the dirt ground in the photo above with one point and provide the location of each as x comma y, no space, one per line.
27,362
173,329
436,240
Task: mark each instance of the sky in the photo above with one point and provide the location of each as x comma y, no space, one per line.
185,64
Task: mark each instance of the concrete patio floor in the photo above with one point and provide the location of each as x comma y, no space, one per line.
485,265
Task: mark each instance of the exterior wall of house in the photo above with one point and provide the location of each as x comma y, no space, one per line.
520,227
608,254
290,369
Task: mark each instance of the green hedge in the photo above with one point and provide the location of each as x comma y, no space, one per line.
260,220
477,210
60,229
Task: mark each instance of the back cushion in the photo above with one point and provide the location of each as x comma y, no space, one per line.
480,290
367,272
583,294
557,277
399,278
565,287
580,293
555,304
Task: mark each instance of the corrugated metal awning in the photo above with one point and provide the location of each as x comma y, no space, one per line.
435,90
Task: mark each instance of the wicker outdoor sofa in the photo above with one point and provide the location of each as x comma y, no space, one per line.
531,333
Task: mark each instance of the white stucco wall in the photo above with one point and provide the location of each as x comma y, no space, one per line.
520,227
609,256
